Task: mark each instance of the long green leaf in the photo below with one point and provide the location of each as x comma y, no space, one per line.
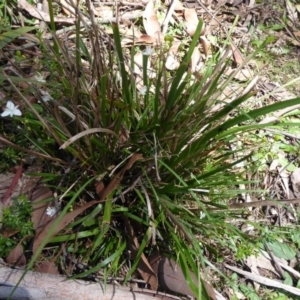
174,94
125,83
12,34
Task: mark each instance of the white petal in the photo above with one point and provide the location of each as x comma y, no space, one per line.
17,112
51,211
10,105
148,51
143,90
6,113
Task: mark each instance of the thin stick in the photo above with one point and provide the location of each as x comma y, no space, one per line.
168,17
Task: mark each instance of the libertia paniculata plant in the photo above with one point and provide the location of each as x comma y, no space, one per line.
158,160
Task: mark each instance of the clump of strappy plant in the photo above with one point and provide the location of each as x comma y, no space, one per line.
158,159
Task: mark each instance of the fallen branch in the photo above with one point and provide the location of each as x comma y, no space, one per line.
39,286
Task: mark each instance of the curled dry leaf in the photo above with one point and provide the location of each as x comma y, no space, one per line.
8,232
205,45
146,39
47,267
41,15
178,4
99,187
151,24
242,75
295,179
191,21
67,8
103,12
171,278
137,68
172,61
196,56
84,133
6,197
237,56
292,11
123,135
16,256
138,63
38,216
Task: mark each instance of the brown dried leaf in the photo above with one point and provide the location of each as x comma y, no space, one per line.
99,187
41,15
67,8
172,61
151,24
46,267
137,68
191,21
103,12
38,217
170,275
205,45
6,197
143,267
16,256
238,58
171,278
138,64
84,133
292,11
178,4
117,179
39,237
8,232
196,56
123,135
243,75
295,179
144,38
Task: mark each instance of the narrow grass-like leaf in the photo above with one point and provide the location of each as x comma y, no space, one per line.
73,236
235,121
125,83
103,264
222,168
12,34
173,93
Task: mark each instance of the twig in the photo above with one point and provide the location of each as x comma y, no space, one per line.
168,17
293,136
265,281
275,260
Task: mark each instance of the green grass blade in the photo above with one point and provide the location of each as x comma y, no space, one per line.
10,35
125,83
174,94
